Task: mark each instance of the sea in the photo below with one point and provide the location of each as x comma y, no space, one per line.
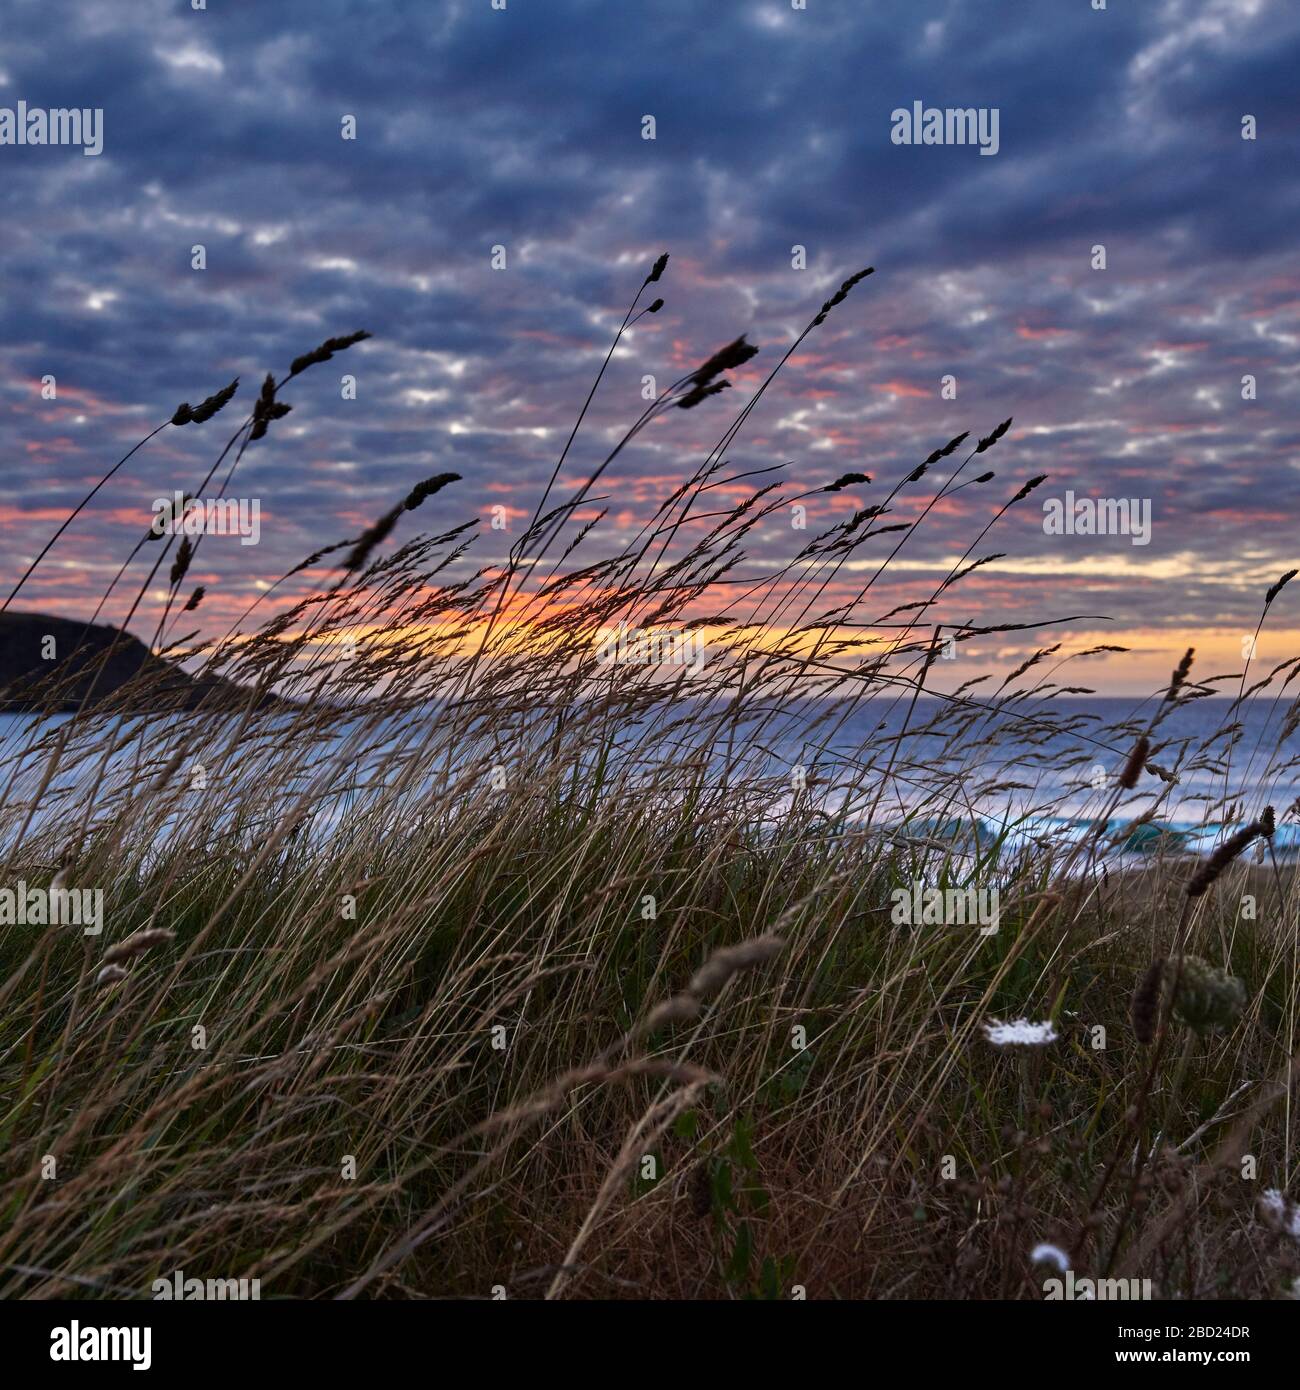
1019,770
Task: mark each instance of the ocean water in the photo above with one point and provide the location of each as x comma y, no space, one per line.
1024,770
1052,767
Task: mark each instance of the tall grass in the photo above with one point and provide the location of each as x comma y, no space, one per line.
444,956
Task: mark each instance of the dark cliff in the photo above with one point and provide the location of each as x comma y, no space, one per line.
54,664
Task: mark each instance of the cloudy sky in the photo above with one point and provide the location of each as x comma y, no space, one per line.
523,128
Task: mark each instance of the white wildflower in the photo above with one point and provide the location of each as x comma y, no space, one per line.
1021,1033
1272,1207
1279,1213
1050,1255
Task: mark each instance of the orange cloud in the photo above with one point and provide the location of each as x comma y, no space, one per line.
902,388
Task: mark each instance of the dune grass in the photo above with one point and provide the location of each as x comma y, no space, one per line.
480,964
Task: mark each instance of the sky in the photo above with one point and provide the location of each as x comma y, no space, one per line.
773,174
